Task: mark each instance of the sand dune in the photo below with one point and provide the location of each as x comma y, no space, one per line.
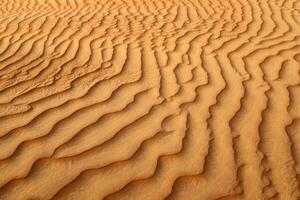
149,99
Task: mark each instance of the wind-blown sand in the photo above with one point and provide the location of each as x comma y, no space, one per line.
149,99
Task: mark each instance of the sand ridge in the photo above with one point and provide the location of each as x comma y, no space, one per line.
150,99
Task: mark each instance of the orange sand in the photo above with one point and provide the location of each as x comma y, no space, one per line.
149,99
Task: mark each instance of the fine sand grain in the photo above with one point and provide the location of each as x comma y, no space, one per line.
149,99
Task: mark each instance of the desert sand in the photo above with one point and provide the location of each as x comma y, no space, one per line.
150,99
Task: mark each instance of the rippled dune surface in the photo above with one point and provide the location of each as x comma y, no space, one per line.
150,99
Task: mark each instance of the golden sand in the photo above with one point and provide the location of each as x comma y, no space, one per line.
149,99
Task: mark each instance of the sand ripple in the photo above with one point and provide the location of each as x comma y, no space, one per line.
149,99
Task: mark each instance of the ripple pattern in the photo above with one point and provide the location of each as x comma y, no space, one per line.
149,99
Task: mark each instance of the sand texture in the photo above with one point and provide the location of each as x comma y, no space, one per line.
149,99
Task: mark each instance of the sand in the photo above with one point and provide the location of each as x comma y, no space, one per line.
149,99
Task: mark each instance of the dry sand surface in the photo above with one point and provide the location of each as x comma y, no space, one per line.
149,99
